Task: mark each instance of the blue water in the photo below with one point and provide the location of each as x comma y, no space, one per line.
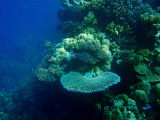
25,25
27,17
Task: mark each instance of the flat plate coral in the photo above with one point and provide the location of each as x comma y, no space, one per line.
76,82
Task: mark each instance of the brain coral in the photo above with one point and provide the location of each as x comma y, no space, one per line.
76,82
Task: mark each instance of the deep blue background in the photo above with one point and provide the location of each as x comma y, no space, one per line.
25,21
25,25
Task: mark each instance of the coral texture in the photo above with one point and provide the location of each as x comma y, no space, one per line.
76,82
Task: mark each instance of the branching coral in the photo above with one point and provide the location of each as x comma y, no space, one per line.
90,19
150,17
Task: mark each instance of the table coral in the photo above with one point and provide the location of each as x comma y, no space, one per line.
76,82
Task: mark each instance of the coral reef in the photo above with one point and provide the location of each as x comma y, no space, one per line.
118,35
122,36
92,52
76,82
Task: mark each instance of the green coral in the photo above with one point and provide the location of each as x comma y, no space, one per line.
119,31
143,85
140,96
157,69
150,17
123,108
4,116
144,73
158,57
115,29
156,90
72,28
142,69
90,19
146,54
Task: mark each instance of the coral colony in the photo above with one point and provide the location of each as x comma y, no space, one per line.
102,33
91,53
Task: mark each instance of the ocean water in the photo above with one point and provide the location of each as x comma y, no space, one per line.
25,26
50,49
